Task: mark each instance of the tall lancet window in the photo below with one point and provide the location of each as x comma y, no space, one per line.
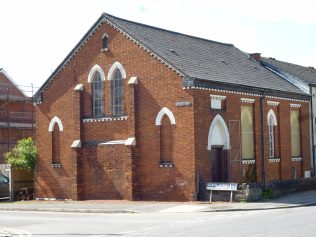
97,97
117,93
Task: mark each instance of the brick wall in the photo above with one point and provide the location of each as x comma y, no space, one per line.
157,87
231,114
105,172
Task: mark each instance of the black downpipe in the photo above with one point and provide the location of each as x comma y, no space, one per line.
262,142
312,119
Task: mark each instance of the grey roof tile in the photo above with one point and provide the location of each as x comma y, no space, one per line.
306,74
194,57
203,59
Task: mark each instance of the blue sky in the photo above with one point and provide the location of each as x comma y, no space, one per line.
37,35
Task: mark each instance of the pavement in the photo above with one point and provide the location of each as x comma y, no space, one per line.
294,200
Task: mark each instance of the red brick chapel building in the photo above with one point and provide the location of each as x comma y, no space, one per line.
141,113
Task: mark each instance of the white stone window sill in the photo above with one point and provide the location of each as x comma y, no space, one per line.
56,165
105,119
166,165
274,160
297,159
248,161
104,49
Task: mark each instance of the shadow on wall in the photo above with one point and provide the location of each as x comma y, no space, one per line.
53,183
104,172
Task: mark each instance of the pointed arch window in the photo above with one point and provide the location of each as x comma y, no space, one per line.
97,95
117,75
247,139
105,43
96,78
295,133
271,123
56,145
117,93
55,127
165,120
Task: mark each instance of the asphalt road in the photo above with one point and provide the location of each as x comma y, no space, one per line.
278,223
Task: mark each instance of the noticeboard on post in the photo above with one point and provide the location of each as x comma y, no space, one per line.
221,186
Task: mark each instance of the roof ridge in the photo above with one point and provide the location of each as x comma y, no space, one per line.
105,15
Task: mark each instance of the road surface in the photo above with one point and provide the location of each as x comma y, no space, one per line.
281,222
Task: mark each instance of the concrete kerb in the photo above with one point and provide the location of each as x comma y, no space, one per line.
126,211
262,208
69,210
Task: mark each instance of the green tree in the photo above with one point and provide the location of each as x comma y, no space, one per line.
23,155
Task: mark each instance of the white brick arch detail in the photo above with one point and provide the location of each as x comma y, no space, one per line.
119,66
96,68
52,124
273,120
218,134
165,111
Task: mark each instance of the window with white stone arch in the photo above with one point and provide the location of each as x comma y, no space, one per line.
97,95
271,123
96,78
166,121
105,42
117,75
55,128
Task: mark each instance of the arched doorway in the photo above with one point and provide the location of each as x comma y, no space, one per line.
218,144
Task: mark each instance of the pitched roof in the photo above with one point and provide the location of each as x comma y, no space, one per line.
9,89
193,57
305,74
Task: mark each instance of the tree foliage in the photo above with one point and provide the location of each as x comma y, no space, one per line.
23,155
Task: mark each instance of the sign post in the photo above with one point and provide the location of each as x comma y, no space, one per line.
222,187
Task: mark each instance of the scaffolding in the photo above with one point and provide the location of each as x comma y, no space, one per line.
17,119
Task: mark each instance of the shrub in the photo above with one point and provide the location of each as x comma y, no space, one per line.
23,155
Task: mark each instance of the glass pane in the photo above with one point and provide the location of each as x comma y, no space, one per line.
247,140
247,145
246,119
117,74
295,133
295,145
105,42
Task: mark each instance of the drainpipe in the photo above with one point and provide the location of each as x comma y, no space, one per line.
262,141
312,128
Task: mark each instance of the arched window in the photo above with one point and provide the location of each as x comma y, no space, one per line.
165,120
271,123
105,42
117,75
56,144
55,127
96,78
295,133
166,141
117,93
97,95
247,140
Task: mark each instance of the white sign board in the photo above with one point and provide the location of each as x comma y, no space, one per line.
222,186
216,104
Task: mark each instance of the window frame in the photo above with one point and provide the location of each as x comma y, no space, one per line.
117,92
97,93
296,133
105,43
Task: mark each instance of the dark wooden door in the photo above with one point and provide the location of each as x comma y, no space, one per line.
217,165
